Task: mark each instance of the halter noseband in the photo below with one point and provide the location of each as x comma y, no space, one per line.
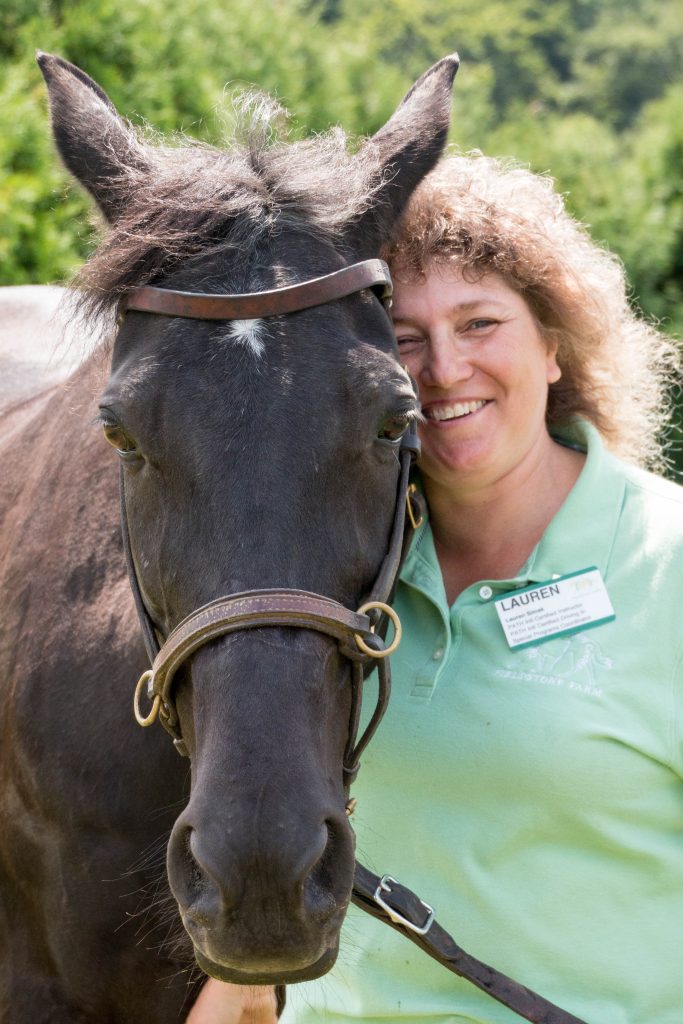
357,633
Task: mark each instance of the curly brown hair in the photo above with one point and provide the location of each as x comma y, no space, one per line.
487,216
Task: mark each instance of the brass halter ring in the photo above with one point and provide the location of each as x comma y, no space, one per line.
398,630
145,720
415,523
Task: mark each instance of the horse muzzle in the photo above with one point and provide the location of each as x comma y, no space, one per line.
262,908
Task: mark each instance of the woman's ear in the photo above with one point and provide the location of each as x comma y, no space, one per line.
553,371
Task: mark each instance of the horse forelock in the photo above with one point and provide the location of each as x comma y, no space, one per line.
192,200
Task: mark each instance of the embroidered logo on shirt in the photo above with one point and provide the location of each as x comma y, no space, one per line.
573,662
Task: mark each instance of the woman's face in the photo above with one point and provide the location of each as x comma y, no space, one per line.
482,370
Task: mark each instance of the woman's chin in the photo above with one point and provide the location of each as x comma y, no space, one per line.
458,463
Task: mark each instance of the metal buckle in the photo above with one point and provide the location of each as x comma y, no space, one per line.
385,886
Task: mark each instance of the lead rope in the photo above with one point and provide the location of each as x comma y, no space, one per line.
387,900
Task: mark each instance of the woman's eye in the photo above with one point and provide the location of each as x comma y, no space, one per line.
407,343
119,439
394,428
480,325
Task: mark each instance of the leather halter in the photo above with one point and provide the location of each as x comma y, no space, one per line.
283,607
359,634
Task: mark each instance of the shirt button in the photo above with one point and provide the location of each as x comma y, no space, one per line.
485,592
438,654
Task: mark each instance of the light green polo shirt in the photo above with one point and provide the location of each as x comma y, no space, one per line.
534,797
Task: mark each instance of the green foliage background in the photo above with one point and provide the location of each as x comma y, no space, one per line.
589,90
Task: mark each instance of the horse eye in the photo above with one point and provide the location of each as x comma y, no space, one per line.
119,439
394,428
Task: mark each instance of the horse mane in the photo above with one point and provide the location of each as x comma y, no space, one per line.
192,199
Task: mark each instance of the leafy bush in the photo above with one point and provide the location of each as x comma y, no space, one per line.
589,90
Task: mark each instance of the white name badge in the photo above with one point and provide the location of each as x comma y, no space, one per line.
559,607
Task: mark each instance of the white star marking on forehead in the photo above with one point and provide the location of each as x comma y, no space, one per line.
248,333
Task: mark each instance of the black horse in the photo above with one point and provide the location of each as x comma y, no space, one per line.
257,452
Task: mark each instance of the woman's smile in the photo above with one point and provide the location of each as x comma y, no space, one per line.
449,413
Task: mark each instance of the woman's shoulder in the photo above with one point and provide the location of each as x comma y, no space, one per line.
654,505
654,489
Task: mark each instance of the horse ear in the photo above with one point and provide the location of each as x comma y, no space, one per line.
408,145
94,142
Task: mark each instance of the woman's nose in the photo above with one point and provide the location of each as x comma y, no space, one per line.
447,363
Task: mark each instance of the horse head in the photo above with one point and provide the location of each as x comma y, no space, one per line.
256,452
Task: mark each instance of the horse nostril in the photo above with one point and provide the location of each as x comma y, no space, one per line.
188,879
195,875
324,889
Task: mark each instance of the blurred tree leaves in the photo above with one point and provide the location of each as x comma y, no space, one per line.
589,90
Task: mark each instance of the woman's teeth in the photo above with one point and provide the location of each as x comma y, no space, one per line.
453,412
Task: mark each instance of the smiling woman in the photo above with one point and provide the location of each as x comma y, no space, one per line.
527,781
483,369
478,216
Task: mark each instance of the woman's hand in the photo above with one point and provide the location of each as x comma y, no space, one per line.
221,1003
